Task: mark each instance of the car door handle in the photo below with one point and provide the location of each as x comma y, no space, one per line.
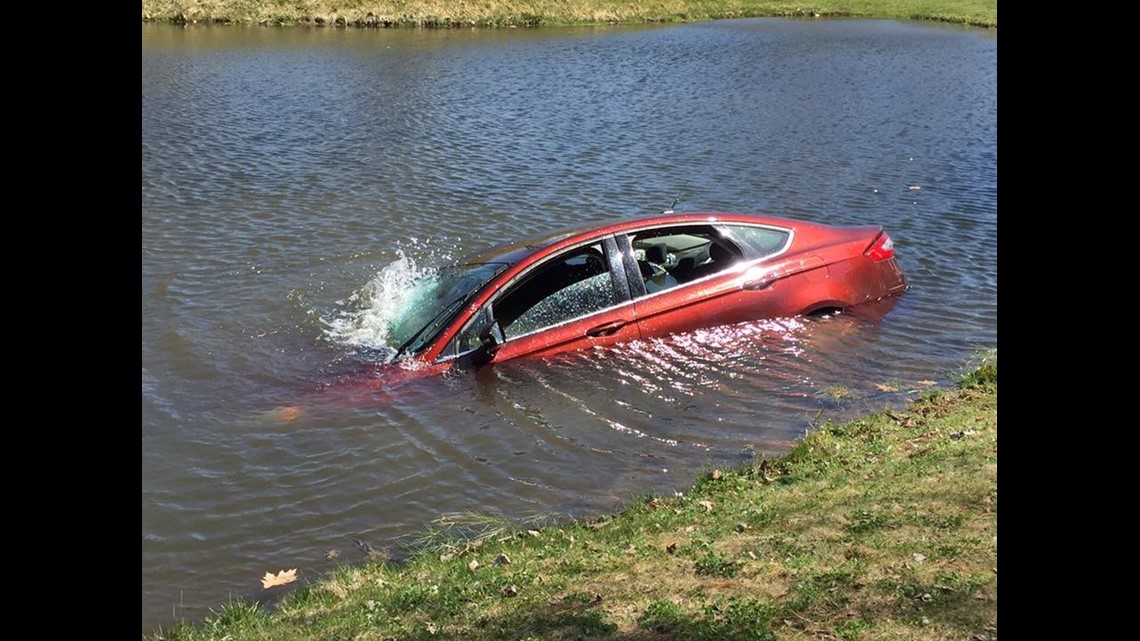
606,329
759,283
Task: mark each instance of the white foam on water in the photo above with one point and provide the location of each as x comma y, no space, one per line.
363,323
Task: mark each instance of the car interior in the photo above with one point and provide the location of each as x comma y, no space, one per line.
669,257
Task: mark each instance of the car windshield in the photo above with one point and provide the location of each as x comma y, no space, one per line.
435,301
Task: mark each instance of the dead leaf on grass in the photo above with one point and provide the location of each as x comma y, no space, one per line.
706,504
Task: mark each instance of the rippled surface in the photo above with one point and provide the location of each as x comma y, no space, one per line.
292,177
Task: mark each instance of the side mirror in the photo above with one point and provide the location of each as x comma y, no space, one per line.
491,337
490,340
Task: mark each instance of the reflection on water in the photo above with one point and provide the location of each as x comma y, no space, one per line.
296,182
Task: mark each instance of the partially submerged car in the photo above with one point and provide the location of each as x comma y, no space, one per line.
637,279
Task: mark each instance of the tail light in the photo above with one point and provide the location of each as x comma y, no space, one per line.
882,249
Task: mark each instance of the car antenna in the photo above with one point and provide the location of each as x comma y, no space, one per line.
670,209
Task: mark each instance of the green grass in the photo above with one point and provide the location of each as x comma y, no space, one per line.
884,527
533,13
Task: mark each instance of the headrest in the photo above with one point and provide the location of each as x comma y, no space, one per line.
721,254
656,254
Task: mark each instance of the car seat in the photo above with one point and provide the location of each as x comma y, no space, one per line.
721,258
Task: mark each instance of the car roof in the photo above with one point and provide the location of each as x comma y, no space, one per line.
513,252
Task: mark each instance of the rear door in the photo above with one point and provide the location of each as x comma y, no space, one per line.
709,277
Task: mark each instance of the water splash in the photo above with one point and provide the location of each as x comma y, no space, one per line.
362,323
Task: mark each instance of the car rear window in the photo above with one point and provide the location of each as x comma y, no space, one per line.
764,241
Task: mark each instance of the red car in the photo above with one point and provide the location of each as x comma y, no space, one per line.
639,278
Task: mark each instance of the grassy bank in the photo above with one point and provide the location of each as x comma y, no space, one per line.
531,13
884,527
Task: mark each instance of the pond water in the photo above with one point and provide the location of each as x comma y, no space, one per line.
293,180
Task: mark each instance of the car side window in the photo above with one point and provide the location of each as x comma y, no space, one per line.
671,256
763,241
570,286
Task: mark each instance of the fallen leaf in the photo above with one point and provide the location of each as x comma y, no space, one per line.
919,558
472,565
671,548
533,533
716,474
284,577
332,554
927,383
502,559
883,387
510,590
706,504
